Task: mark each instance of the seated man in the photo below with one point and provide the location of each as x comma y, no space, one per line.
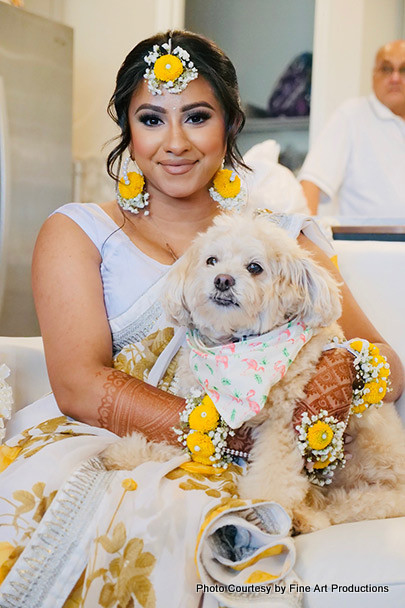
360,154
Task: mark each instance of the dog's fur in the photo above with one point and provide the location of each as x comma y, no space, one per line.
291,285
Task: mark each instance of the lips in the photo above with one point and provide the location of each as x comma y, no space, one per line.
178,167
224,301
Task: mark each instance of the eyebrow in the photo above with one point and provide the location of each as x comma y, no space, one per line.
186,108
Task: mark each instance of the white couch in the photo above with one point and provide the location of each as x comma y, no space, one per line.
361,554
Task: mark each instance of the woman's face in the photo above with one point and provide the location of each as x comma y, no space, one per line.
177,139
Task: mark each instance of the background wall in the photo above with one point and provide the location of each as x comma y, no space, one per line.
104,32
260,36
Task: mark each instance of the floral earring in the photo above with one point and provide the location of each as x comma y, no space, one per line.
129,190
227,191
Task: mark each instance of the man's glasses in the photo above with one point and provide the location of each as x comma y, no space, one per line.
388,70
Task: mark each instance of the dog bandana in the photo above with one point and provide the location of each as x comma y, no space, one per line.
238,376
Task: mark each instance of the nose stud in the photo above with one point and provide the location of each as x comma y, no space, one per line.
224,281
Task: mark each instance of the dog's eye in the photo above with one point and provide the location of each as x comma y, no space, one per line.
211,261
254,268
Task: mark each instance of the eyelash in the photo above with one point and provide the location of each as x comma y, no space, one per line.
195,118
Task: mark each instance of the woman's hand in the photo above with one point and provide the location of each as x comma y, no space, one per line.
331,388
242,441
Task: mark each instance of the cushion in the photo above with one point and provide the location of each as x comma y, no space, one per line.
362,553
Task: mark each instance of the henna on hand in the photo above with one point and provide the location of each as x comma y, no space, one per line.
242,441
128,405
331,388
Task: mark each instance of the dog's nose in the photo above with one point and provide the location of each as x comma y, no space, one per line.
224,281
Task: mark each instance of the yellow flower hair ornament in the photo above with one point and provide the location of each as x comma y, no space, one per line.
203,432
320,442
168,70
227,191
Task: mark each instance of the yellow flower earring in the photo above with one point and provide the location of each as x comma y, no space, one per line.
129,191
227,190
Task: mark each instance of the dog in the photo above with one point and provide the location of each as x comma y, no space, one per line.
245,277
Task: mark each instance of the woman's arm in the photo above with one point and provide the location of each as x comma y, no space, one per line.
69,299
355,323
312,194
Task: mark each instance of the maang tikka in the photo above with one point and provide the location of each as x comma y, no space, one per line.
169,70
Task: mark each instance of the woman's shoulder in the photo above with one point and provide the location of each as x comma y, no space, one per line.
91,218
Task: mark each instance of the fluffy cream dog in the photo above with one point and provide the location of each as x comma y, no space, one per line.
244,277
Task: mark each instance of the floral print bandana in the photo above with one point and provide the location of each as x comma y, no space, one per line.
238,376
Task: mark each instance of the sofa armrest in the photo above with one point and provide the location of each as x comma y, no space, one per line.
373,271
26,360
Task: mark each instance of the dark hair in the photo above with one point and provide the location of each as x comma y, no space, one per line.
211,63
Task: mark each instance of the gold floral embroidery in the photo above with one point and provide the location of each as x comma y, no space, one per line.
226,483
75,599
25,502
32,440
138,359
128,573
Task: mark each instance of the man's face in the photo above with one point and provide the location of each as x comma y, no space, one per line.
389,76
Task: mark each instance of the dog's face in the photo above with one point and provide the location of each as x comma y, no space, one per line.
246,276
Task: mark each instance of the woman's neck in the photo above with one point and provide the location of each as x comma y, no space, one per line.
171,226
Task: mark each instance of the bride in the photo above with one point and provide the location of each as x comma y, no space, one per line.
71,532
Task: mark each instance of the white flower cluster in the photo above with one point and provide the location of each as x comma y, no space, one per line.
173,86
332,453
235,203
6,399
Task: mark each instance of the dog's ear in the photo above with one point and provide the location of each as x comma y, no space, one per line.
173,296
317,293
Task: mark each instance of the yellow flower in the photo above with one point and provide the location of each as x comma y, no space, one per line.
129,484
204,417
375,395
321,464
384,372
359,409
168,67
135,186
357,345
319,435
223,184
7,456
374,350
201,447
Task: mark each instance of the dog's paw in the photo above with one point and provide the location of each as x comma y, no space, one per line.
305,519
129,452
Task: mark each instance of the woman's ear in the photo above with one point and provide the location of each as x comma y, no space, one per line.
174,292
